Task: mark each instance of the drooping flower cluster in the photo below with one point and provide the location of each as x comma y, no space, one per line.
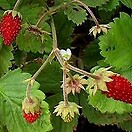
67,112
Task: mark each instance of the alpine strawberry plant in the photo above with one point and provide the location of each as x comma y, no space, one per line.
10,26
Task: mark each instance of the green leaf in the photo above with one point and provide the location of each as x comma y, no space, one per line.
30,13
29,41
94,3
76,14
5,4
50,78
116,44
126,125
12,93
127,3
64,29
5,59
105,104
96,117
112,4
91,55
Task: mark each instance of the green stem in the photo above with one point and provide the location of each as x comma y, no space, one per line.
54,34
89,10
16,5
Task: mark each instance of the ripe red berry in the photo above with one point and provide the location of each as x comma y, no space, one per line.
9,27
119,89
30,118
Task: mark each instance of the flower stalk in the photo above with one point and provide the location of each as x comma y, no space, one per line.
65,95
16,4
89,10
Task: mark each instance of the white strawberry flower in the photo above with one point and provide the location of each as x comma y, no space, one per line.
66,54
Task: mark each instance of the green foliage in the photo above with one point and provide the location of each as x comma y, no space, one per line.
126,125
76,14
12,92
116,44
112,4
5,4
95,116
94,3
104,104
30,13
127,3
91,55
5,59
64,30
50,78
29,41
31,49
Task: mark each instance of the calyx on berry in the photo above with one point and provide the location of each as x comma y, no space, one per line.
30,105
14,13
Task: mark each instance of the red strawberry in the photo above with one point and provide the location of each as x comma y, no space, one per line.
30,118
31,109
119,89
10,26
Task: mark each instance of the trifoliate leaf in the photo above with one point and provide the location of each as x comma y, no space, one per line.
94,3
105,104
76,14
5,59
12,92
116,44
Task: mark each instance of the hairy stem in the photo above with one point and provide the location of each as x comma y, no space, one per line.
32,80
65,95
49,59
89,10
16,5
54,34
82,72
58,55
